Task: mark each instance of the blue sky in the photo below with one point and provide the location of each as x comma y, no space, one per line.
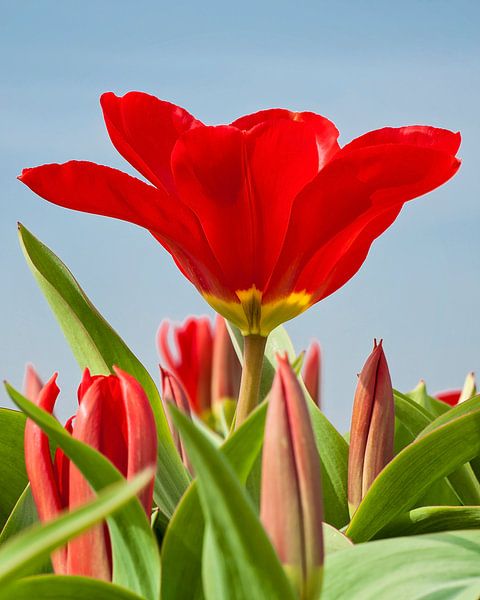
362,64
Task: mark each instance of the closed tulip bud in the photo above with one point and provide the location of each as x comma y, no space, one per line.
454,397
291,493
115,418
226,368
173,393
372,428
312,372
32,384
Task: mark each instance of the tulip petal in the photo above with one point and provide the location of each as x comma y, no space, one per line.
144,130
360,186
41,472
312,372
226,368
32,384
96,189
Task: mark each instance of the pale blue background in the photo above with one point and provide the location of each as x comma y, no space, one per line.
363,64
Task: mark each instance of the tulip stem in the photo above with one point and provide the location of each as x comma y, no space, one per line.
253,352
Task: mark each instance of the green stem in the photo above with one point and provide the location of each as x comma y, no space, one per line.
253,352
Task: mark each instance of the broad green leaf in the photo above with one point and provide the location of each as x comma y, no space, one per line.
13,477
440,566
245,560
430,519
31,547
136,563
410,473
23,515
60,587
456,411
183,542
333,450
334,540
413,417
97,346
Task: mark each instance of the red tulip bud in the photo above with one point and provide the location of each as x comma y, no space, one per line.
226,368
115,418
173,393
372,428
312,372
32,384
291,492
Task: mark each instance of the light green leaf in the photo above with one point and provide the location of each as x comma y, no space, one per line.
97,346
432,405
31,547
430,519
410,473
245,560
136,563
13,477
334,540
440,566
60,587
182,553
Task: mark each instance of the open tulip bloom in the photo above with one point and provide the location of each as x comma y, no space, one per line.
265,216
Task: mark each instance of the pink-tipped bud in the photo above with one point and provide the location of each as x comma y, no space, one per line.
291,492
312,372
373,426
32,384
173,393
226,368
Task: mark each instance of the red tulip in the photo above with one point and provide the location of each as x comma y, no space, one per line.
115,417
265,216
203,360
454,397
373,426
32,384
291,491
312,371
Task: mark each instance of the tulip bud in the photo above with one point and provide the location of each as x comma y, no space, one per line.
312,372
469,389
192,365
291,493
116,419
32,384
173,393
373,426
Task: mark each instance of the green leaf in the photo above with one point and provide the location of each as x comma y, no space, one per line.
245,561
97,346
410,473
439,566
13,477
20,553
60,587
432,405
430,519
181,551
136,563
334,540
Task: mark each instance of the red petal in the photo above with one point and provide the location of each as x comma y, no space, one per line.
141,432
241,186
451,397
348,195
32,384
40,470
312,371
144,130
226,368
324,131
101,190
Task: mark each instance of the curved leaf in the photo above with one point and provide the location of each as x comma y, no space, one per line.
410,473
30,548
97,346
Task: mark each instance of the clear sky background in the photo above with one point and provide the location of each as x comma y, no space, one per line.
363,64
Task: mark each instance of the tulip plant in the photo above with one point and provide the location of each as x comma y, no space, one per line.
226,481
